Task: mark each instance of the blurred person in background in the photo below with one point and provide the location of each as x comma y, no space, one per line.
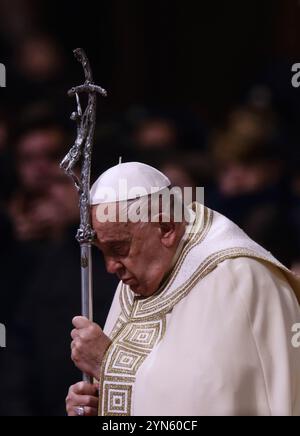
155,133
172,142
152,137
39,58
158,130
7,181
34,209
3,133
16,17
34,216
188,168
39,70
250,181
5,165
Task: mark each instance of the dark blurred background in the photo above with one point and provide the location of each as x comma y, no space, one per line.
202,90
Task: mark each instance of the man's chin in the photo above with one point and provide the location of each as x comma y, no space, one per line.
138,289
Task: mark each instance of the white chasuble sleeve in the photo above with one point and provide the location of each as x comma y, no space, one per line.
227,348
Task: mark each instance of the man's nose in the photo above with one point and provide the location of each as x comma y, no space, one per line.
113,265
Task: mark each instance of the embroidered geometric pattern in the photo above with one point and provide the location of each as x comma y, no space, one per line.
127,352
117,398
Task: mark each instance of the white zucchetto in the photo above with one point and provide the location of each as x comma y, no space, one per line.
127,181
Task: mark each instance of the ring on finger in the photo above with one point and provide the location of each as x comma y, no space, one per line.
79,410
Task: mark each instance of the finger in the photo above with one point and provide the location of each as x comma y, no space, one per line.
71,411
73,345
89,333
80,322
88,411
85,400
84,388
70,408
74,334
91,411
76,349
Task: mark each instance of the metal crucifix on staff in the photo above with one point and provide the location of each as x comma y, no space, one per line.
82,149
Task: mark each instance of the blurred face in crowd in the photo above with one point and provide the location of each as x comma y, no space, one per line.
178,175
140,254
48,214
39,58
237,178
38,156
155,134
65,196
3,135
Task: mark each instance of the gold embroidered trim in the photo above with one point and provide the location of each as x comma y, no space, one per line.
128,351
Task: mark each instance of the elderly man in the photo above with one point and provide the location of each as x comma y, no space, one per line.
202,321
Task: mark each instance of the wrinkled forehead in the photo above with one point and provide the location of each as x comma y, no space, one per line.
112,229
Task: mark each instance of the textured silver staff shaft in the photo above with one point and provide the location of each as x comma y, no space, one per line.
82,149
86,289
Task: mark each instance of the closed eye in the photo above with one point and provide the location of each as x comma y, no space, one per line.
120,249
113,247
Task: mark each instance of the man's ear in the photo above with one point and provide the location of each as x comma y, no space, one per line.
167,233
